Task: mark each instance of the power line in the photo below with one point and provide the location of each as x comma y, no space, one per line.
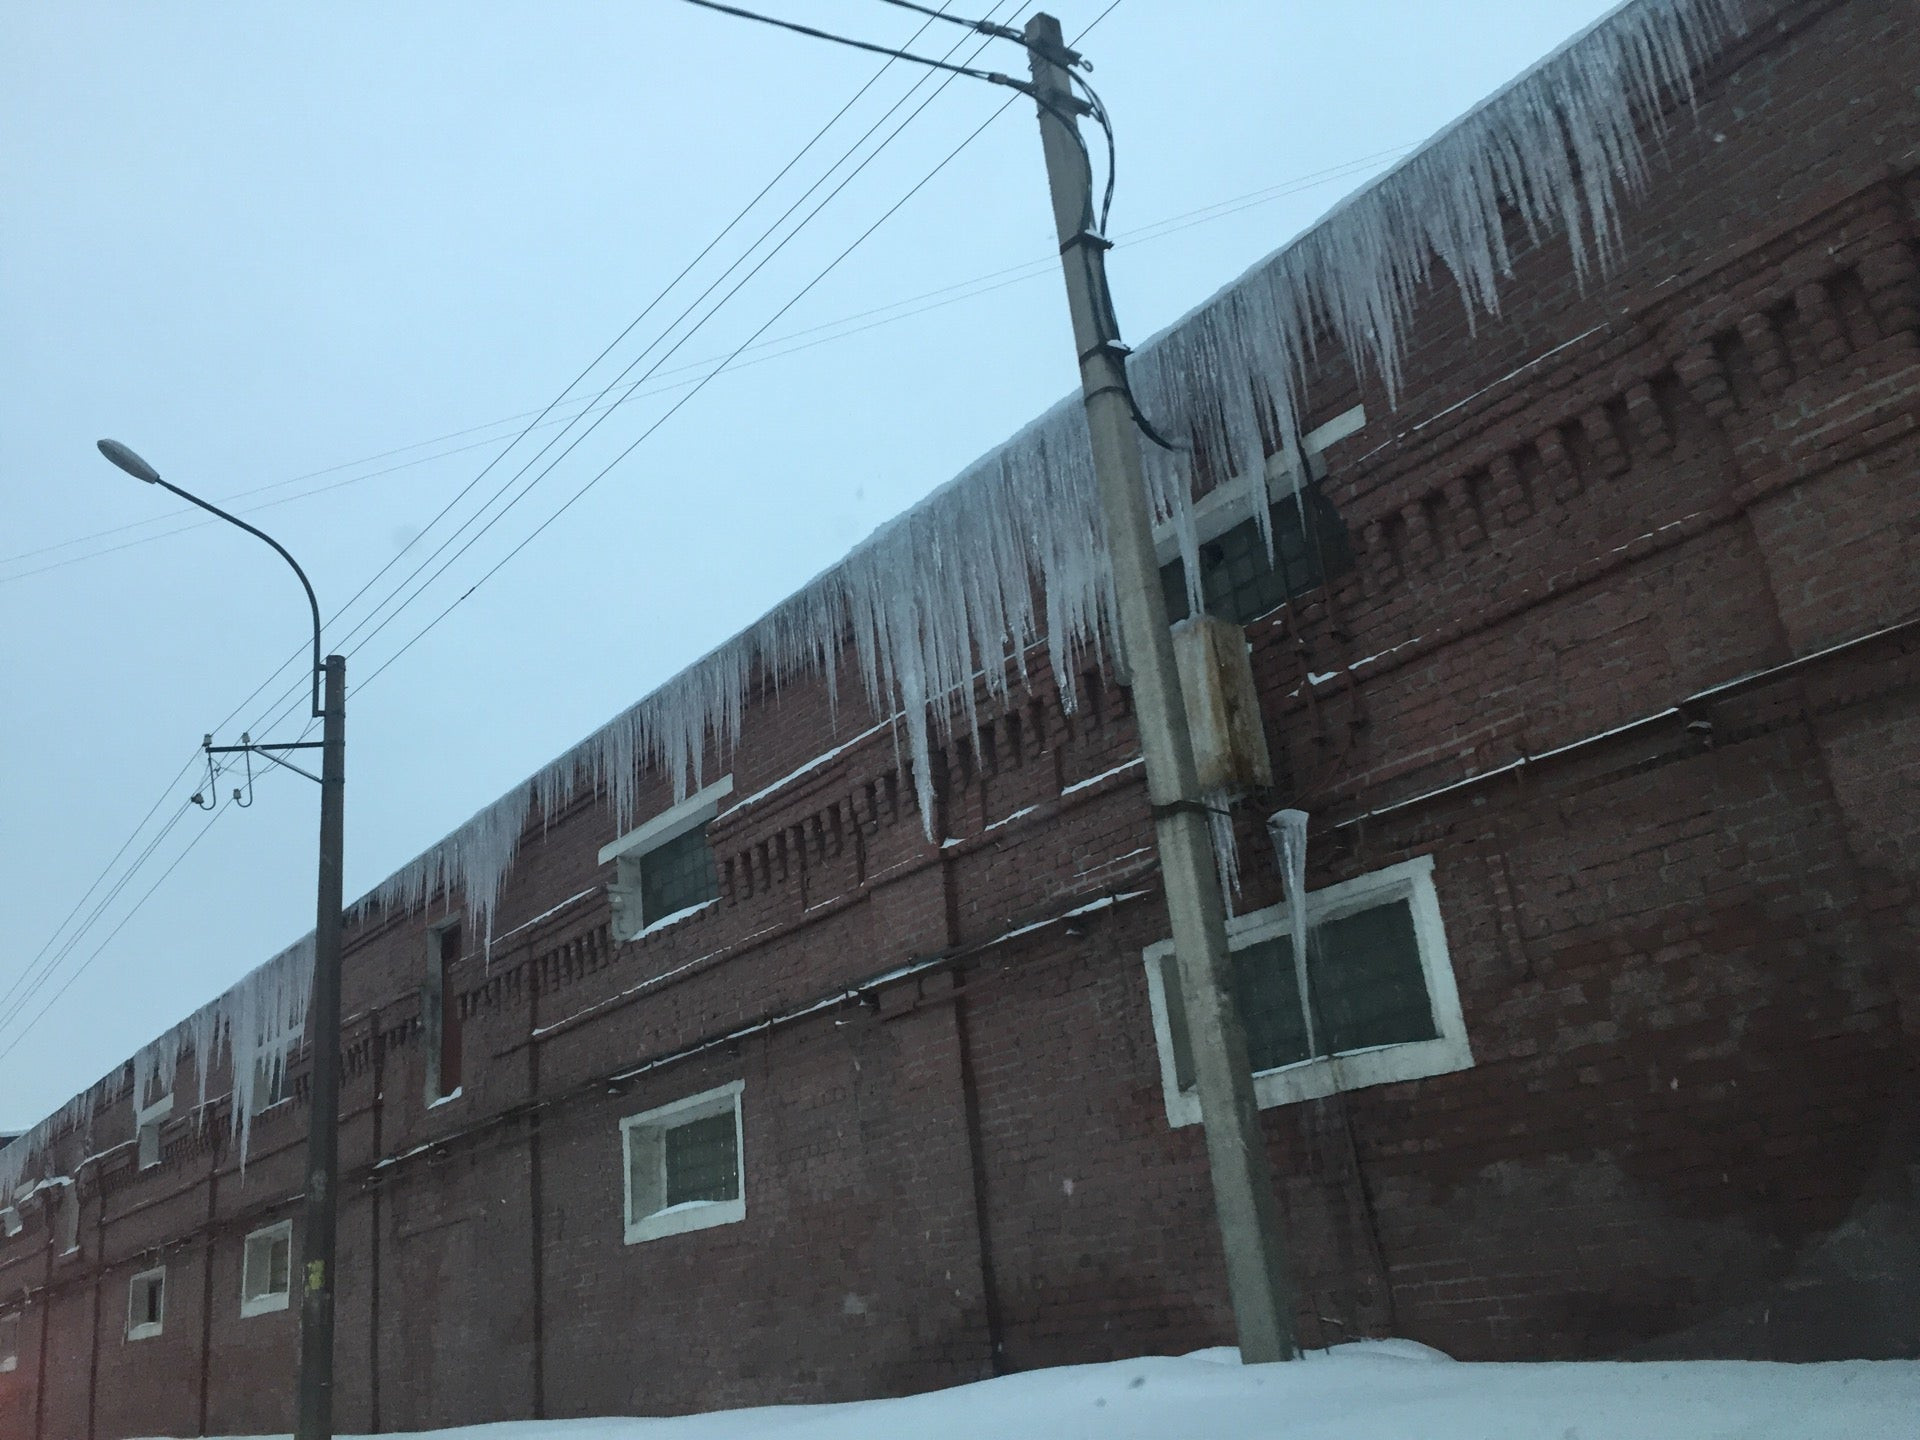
54,999
99,909
983,27
564,507
993,77
831,265
630,327
1040,267
34,981
688,335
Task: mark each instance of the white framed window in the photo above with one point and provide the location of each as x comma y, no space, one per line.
9,1342
266,1270
146,1304
10,1221
1378,1003
1239,579
685,1165
147,1120
664,870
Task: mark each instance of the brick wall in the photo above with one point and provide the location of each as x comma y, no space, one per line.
1685,951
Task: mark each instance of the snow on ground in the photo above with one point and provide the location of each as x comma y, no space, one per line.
1371,1390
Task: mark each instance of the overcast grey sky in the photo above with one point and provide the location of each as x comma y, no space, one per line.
266,243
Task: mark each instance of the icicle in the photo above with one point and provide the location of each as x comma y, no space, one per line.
1226,849
1012,553
1289,831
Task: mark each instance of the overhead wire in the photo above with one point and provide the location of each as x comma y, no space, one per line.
976,286
449,540
87,964
93,917
578,494
991,76
675,408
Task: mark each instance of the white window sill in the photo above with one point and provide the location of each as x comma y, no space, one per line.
674,919
263,1305
143,1332
448,1098
11,1362
1356,1070
686,1216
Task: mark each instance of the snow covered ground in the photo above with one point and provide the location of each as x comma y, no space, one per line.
1377,1390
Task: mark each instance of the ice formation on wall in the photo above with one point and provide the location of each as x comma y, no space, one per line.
1011,552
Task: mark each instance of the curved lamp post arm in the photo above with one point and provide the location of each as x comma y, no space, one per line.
128,461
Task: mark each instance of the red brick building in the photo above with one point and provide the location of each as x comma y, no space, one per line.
1592,656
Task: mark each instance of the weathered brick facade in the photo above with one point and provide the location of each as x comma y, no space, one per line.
1685,947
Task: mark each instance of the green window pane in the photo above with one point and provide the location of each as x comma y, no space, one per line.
1269,994
1369,986
1239,581
677,876
1369,989
1269,997
703,1160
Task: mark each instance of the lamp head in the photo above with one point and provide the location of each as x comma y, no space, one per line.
128,461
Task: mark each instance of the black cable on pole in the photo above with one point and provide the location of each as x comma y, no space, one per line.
992,77
982,27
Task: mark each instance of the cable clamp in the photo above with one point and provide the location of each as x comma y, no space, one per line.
1117,350
1184,807
1092,239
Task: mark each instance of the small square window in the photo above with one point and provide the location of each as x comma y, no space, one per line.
146,1304
683,1165
665,869
266,1270
9,1342
1381,1006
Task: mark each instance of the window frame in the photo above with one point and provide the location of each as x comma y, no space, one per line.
1318,1076
10,1325
628,855
271,1301
146,1329
690,1215
148,1121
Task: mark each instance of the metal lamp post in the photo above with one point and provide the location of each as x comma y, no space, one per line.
314,1400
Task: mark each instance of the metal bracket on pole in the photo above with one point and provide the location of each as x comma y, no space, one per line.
265,749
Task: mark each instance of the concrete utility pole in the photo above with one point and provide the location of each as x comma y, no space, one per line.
314,1420
1258,1275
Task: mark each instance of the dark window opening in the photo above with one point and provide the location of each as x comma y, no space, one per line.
440,1011
1369,990
677,876
1238,581
703,1160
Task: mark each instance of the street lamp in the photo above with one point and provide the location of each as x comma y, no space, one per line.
314,1400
